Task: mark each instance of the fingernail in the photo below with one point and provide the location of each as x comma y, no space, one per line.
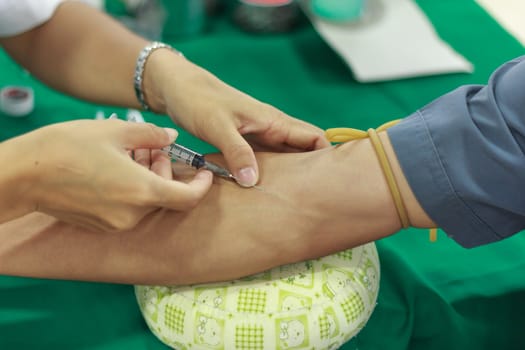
246,177
172,133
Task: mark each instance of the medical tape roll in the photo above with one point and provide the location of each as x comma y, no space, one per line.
318,304
17,101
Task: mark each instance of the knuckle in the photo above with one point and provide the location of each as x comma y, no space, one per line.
278,114
275,114
147,131
155,131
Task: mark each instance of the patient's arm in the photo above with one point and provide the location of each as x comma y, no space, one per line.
307,205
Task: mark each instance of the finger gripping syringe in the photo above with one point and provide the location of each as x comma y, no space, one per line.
181,153
196,160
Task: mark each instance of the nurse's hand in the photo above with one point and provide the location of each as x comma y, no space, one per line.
81,172
223,116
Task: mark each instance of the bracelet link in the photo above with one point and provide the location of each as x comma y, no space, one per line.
138,79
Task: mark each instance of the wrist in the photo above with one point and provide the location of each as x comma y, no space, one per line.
357,206
155,67
418,217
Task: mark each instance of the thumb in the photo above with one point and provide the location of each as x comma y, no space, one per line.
145,135
180,195
240,159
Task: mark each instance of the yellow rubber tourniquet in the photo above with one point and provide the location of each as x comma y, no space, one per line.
347,134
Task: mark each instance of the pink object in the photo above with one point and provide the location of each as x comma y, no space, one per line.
267,2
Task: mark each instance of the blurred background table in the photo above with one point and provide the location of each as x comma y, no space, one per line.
432,296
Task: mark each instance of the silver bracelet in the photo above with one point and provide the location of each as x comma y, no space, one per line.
139,69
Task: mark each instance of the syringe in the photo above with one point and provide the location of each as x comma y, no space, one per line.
196,160
181,153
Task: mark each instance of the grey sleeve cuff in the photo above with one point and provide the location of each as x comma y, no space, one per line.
463,156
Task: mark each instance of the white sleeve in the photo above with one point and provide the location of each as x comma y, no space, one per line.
18,16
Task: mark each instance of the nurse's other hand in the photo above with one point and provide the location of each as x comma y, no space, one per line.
225,117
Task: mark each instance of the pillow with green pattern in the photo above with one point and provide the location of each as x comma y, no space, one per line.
316,304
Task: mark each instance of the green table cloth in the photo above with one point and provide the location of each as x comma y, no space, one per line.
432,295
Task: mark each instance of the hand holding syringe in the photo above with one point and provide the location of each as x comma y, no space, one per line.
181,153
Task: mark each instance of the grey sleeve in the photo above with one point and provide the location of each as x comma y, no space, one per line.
463,157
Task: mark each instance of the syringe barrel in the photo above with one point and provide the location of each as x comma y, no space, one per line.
185,155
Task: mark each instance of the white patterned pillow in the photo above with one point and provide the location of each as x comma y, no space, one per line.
316,304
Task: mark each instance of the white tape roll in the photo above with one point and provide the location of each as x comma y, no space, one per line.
17,101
